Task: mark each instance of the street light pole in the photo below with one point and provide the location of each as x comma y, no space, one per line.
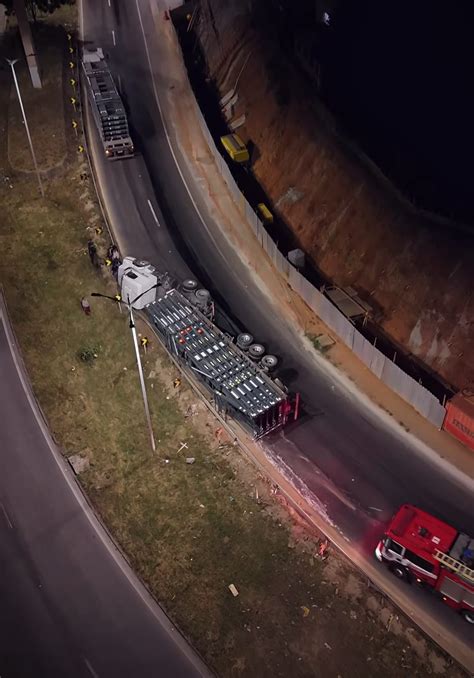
142,379
137,355
12,63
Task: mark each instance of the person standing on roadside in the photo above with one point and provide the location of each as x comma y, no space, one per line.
86,307
115,267
92,249
113,253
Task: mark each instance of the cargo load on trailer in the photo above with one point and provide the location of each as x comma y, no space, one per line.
421,548
237,373
107,107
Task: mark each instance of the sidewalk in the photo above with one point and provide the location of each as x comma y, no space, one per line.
179,110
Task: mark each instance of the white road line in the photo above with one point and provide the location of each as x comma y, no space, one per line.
91,668
109,3
120,83
113,37
168,139
153,213
7,517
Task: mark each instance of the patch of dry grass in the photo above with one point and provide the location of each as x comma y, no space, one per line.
41,107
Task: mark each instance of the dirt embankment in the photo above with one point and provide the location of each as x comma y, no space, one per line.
417,274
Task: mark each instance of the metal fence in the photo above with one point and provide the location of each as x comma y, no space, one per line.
385,369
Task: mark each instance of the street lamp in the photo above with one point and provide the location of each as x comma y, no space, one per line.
137,354
12,63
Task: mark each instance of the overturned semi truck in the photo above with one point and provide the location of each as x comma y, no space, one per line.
237,373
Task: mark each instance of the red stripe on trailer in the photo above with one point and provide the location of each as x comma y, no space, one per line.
297,406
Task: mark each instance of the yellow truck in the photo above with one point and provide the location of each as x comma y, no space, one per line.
264,213
235,147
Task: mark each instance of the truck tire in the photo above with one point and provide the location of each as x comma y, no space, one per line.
189,285
244,340
269,362
468,616
400,571
256,351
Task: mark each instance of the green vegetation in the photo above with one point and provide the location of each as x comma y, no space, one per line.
38,7
318,344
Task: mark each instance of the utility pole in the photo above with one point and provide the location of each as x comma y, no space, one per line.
12,63
27,41
137,354
142,379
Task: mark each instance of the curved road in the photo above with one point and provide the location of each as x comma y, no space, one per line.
348,458
69,604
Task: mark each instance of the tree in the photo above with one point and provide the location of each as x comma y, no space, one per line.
35,6
20,8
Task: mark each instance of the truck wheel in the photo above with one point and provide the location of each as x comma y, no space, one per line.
399,571
468,616
244,340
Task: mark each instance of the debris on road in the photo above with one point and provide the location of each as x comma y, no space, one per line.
233,590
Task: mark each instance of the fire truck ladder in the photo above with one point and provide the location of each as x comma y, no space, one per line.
455,565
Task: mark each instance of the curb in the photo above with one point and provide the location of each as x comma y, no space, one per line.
365,567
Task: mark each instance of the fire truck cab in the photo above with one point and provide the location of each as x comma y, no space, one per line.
419,547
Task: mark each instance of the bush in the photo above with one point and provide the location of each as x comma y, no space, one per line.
88,353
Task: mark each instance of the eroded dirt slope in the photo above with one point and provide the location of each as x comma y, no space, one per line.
416,273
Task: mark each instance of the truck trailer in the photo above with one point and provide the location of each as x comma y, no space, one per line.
236,372
106,105
420,548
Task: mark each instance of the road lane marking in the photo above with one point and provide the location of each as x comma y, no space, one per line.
113,37
120,83
168,139
153,213
90,668
109,3
7,517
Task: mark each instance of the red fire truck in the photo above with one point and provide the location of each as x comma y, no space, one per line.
421,548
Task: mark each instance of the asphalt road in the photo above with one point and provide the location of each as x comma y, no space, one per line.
357,467
69,604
